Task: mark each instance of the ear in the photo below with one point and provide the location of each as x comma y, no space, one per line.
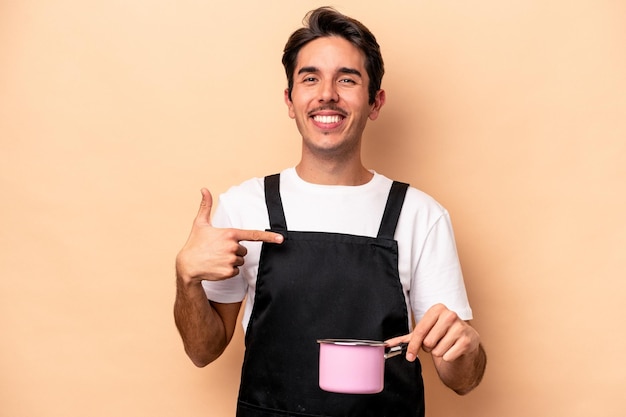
379,101
289,104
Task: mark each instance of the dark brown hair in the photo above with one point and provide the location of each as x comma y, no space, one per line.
325,22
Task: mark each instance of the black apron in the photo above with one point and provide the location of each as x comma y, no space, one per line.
325,286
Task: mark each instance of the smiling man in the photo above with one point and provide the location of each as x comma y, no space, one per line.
327,249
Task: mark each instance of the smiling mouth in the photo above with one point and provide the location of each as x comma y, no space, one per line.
328,119
328,116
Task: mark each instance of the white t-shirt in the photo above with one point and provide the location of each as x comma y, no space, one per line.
427,260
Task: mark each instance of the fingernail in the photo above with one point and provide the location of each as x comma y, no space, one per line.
410,357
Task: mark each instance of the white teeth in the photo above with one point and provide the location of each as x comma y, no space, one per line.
327,119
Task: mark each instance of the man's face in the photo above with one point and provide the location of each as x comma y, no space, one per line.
329,99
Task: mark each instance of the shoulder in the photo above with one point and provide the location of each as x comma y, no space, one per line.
244,190
252,188
421,211
418,199
415,199
241,206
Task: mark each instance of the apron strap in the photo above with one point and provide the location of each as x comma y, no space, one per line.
392,210
274,203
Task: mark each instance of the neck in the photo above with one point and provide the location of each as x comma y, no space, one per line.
334,173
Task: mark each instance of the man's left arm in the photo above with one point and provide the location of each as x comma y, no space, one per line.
454,344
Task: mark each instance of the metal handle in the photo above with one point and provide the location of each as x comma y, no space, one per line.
396,350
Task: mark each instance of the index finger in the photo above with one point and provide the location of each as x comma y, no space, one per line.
415,339
398,340
258,236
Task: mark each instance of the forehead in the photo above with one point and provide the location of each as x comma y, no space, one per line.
330,53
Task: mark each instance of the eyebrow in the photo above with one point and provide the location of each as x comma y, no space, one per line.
342,70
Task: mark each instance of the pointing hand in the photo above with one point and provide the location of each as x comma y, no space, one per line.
215,254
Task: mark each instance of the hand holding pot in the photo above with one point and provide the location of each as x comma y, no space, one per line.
442,333
454,345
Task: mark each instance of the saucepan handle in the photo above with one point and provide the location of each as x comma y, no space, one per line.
395,350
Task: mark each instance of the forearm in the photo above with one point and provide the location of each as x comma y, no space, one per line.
463,374
201,328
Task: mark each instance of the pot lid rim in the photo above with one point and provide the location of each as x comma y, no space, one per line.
352,342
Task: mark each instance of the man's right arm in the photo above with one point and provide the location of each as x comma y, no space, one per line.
205,327
210,254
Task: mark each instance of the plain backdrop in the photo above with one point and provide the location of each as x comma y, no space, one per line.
113,115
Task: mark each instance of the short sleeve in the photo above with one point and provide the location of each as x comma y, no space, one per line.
438,278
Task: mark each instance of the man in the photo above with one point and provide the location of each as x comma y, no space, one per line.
328,249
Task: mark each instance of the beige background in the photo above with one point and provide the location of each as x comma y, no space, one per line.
113,114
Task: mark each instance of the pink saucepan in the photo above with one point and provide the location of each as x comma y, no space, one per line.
352,366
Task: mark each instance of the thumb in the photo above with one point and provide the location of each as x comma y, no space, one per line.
204,212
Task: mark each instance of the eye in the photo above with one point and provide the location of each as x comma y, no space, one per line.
309,79
347,81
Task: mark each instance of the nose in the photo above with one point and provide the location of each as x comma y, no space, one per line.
328,92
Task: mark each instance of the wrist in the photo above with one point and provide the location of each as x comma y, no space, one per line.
186,280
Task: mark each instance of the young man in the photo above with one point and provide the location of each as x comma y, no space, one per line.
328,249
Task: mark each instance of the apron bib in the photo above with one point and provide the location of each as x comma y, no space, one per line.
325,286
